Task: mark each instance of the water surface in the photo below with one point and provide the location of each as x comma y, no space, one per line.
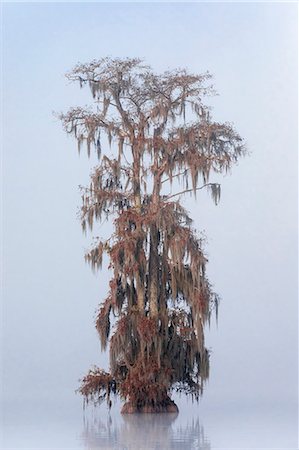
63,424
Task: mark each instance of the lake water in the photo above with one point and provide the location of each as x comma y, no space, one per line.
62,424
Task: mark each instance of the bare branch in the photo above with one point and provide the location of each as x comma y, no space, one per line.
174,176
191,190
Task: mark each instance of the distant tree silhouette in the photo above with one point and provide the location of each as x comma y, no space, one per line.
159,130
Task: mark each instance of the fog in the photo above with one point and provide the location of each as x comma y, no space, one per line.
50,295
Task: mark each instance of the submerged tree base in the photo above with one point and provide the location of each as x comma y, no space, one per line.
165,407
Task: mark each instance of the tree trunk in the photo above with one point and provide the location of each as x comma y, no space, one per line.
140,293
137,200
168,406
154,260
153,271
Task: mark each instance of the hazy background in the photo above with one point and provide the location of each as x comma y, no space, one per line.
50,295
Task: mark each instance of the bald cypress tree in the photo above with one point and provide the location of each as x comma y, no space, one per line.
160,133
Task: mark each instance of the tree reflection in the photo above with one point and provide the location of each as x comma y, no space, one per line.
143,432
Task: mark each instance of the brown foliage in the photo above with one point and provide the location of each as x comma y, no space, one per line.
97,385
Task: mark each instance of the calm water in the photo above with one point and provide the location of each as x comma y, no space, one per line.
57,424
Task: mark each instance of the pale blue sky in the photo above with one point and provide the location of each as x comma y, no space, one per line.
49,293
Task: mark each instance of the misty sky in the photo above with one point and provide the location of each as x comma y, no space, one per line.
49,294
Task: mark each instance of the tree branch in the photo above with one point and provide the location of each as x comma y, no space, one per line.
191,190
174,176
122,112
